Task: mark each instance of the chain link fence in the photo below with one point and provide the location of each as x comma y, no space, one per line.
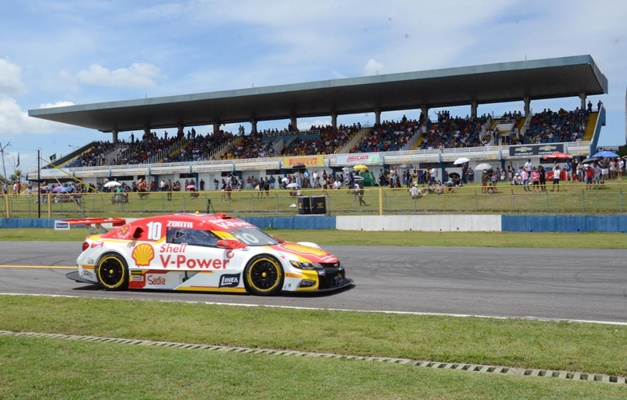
572,198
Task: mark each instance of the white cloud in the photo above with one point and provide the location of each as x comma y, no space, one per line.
373,67
10,79
15,121
56,104
137,75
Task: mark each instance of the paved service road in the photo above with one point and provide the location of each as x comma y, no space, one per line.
538,283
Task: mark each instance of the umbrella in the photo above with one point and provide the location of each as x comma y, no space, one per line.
606,154
299,166
190,187
557,155
483,166
453,175
360,167
589,160
358,178
347,169
461,160
61,189
292,185
111,184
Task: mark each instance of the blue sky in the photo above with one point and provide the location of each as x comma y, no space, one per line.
64,52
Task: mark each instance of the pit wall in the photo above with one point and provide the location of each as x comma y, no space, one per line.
428,223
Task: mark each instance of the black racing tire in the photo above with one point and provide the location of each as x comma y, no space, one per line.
112,272
263,275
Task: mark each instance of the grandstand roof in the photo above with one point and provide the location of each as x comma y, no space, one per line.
484,84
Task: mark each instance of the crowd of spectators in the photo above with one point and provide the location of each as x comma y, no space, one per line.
142,151
455,132
94,156
199,147
388,136
249,146
512,136
329,141
449,132
556,126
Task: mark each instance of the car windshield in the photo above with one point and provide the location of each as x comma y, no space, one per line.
253,236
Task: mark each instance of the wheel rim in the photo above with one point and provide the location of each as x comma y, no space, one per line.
264,275
111,272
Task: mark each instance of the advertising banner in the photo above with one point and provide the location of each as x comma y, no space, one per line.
535,149
352,159
311,161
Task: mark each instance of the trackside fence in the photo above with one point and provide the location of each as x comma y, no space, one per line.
572,198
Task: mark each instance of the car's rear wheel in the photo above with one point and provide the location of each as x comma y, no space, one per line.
112,272
264,275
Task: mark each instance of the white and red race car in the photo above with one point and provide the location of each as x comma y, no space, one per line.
202,252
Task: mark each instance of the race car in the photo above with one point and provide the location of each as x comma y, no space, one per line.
202,252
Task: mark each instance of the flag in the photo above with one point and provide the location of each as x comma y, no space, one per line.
18,161
53,157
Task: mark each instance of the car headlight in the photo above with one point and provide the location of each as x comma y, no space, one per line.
306,265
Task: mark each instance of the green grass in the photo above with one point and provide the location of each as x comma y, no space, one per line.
573,198
46,368
55,369
592,240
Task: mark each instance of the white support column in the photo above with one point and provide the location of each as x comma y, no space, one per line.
582,96
253,128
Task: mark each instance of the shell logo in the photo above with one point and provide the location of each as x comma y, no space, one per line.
143,255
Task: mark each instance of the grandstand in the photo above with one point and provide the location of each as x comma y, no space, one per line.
420,143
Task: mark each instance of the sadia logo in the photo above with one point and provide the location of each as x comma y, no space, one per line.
229,280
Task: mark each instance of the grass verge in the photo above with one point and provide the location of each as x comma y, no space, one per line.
591,240
59,369
508,342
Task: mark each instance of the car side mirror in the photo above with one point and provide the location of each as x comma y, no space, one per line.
138,233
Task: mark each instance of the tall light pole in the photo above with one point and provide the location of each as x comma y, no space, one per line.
4,170
38,183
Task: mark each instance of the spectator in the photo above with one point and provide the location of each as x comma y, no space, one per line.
359,193
556,178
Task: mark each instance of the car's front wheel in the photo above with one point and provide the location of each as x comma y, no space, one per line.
264,275
112,272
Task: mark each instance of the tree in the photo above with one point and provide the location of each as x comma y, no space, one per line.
16,176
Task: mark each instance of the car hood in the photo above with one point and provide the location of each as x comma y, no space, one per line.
306,253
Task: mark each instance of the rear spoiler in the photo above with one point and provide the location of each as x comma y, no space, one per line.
94,225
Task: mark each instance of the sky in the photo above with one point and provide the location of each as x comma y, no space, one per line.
73,52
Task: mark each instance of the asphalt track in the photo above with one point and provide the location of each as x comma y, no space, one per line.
569,284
